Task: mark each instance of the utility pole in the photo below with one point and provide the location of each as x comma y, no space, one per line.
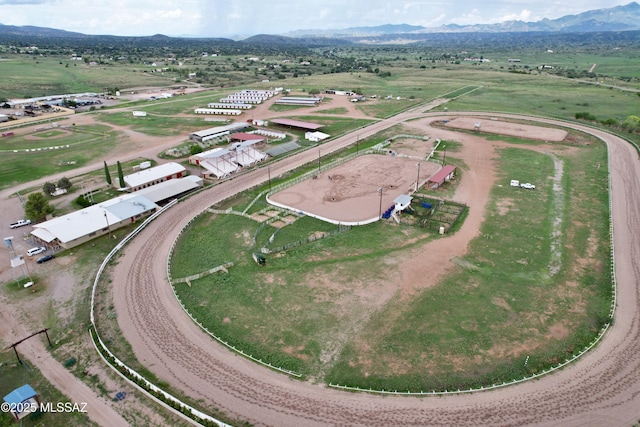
418,179
107,219
380,211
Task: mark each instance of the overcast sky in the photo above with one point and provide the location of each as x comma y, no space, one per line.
233,18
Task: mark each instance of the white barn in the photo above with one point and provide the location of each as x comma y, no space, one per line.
217,132
81,226
155,175
218,111
315,136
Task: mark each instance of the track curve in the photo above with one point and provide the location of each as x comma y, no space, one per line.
601,388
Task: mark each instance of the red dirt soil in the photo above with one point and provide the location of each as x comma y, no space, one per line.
510,129
349,193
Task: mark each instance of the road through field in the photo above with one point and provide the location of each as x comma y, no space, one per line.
603,388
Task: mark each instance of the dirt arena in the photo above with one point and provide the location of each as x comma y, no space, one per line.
349,193
499,127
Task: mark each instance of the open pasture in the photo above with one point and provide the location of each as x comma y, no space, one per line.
53,151
33,76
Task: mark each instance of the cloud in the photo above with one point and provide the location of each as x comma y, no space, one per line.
217,18
525,15
23,2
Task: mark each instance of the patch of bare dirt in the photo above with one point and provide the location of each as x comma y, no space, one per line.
505,206
559,331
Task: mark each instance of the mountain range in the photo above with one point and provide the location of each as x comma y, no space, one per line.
619,18
615,19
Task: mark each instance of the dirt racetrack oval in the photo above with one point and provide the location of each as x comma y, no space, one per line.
602,388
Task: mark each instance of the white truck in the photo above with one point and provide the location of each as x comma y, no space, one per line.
20,223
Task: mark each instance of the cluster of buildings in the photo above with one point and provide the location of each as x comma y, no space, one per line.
221,162
235,103
249,96
145,190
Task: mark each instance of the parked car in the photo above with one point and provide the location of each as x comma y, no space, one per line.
528,186
20,223
37,250
45,259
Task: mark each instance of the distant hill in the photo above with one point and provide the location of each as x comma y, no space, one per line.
619,18
28,30
268,39
615,19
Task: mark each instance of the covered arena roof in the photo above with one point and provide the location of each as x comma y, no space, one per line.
283,148
219,129
173,187
296,124
242,136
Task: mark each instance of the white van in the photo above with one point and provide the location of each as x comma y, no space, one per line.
36,251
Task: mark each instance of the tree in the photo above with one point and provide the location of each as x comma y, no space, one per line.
195,149
631,123
83,202
64,183
48,188
120,175
107,175
314,91
37,207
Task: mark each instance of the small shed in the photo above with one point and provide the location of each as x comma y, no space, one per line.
443,175
22,401
315,136
402,202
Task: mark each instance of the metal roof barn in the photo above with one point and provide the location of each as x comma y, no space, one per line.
158,173
444,174
81,226
168,189
297,124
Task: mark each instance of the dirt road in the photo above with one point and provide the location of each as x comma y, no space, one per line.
602,388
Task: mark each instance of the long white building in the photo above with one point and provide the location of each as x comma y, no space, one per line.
81,226
155,175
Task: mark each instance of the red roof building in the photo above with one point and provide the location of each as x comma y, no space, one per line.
296,124
443,175
243,136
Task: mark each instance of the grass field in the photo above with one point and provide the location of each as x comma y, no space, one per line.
496,89
86,144
32,76
500,305
334,321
